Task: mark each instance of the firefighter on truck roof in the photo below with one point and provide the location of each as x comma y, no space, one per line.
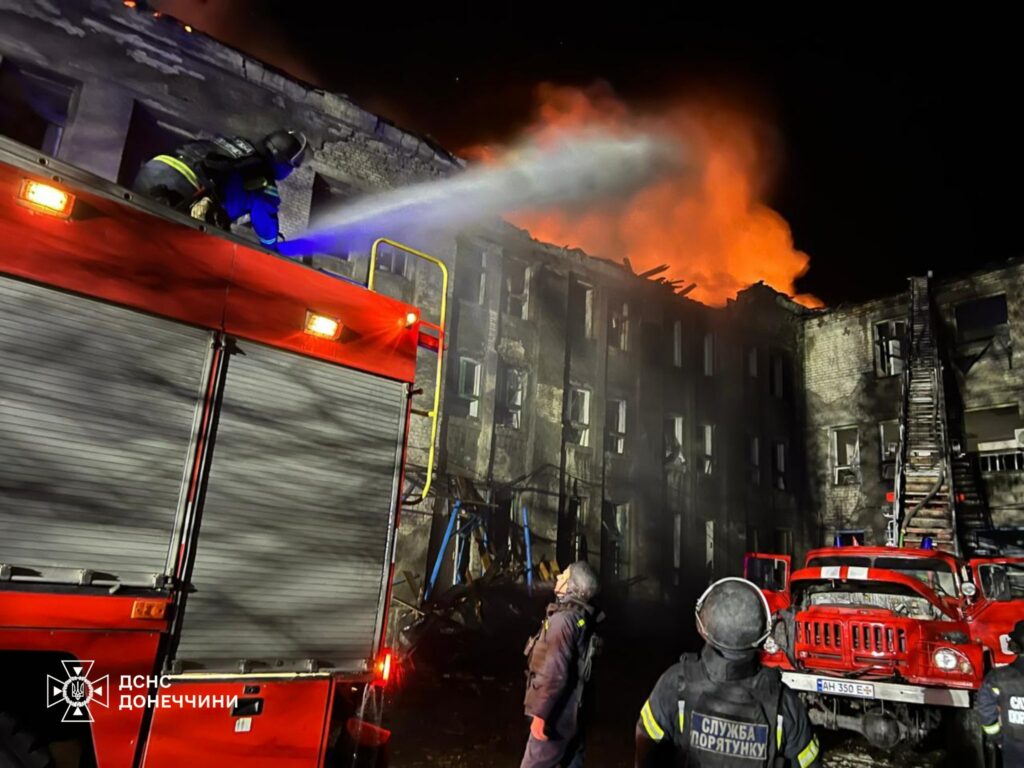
220,180
720,707
1000,703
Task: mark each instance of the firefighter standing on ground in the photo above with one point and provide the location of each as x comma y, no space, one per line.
220,180
721,707
1000,703
559,660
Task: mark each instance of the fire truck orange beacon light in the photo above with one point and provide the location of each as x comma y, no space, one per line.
45,198
322,326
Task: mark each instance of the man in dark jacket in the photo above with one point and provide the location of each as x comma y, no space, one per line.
1000,703
559,659
220,180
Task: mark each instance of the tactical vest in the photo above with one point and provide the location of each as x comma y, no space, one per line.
1010,685
209,158
727,723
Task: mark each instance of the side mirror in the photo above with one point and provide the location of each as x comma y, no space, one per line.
968,590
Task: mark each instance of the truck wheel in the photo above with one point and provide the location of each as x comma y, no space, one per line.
19,748
964,743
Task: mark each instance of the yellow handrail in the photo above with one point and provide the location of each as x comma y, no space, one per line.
433,412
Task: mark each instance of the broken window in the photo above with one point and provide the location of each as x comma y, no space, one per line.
34,106
511,393
677,344
709,354
707,438
517,289
754,459
618,327
779,465
981,318
392,260
1004,461
469,384
889,443
993,429
890,340
579,416
752,362
777,380
151,133
581,302
845,455
615,424
471,274
997,436
674,442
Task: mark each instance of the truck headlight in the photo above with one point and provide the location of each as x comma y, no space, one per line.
945,659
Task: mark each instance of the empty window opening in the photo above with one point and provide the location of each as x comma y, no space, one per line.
517,289
34,106
981,318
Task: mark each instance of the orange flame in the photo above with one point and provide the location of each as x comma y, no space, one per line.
709,225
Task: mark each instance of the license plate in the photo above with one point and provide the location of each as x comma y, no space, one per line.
846,688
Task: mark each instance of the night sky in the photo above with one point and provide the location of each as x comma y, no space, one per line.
900,149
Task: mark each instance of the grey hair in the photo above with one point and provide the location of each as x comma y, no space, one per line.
583,582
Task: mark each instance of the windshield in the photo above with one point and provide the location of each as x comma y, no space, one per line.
897,598
1002,583
933,572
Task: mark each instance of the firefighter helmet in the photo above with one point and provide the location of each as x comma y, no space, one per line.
287,150
733,615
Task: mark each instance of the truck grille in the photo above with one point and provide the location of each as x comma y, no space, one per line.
836,639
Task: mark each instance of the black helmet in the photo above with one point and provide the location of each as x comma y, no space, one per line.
733,615
286,148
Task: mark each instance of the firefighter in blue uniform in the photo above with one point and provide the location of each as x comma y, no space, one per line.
559,657
720,707
1000,703
220,180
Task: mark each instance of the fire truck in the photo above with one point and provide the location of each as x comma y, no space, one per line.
889,642
201,462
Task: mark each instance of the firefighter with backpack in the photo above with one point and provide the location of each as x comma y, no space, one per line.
559,661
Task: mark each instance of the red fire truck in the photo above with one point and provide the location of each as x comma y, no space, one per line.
201,457
889,642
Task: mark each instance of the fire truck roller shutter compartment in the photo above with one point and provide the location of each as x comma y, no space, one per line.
294,540
97,414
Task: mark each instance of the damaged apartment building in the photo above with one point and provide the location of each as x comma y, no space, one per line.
621,421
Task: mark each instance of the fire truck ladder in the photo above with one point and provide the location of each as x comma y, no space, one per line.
936,494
